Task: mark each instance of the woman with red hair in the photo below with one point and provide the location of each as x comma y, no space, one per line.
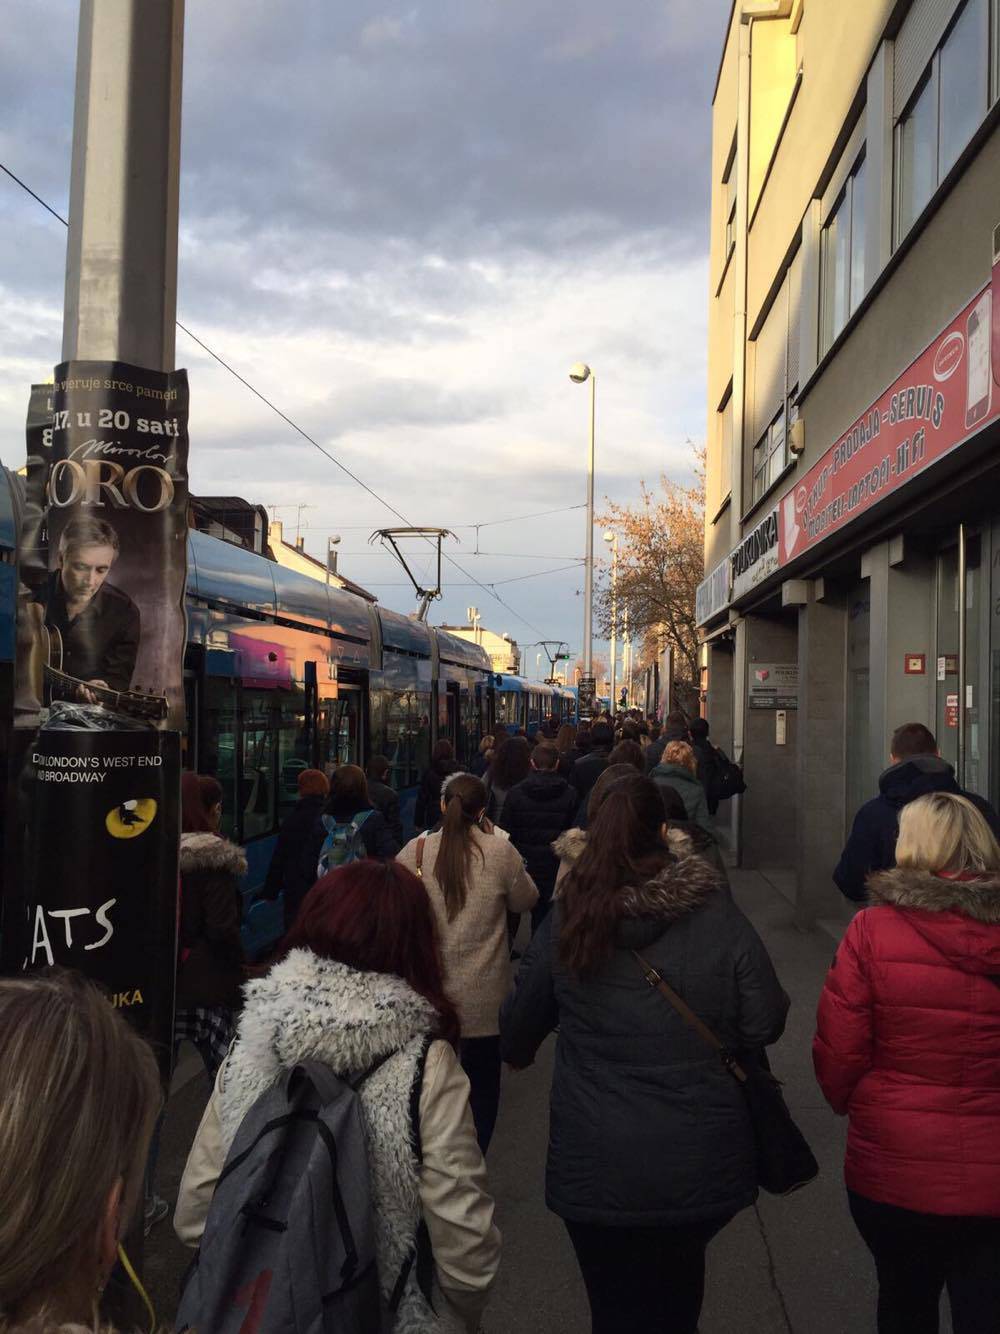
359,987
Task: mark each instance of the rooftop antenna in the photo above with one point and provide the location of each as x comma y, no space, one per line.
390,537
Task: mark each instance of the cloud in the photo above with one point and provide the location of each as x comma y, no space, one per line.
402,224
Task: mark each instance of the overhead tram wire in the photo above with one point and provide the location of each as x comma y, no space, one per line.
489,523
476,583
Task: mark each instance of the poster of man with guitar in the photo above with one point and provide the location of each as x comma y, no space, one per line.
98,624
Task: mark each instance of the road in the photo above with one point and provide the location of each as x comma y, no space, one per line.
788,1266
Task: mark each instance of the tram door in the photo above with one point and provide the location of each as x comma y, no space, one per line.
453,732
341,728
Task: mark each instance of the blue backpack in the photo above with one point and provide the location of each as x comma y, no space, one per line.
343,843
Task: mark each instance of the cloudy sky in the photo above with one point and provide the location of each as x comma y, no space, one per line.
403,223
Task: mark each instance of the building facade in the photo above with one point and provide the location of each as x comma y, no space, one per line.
852,546
504,654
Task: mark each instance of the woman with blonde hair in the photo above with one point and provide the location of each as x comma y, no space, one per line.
474,879
78,1098
907,1048
678,769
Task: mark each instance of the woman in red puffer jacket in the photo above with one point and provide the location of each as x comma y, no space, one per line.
908,1046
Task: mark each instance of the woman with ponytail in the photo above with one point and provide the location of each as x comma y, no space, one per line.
651,1148
474,878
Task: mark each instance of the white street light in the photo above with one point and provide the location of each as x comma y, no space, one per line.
579,373
612,541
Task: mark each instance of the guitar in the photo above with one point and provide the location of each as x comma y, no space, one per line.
133,703
40,655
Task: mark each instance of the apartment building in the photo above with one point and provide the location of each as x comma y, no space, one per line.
852,541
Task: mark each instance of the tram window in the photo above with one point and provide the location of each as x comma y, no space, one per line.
293,739
257,796
421,705
399,739
218,756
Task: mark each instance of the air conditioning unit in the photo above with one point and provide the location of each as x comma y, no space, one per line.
797,437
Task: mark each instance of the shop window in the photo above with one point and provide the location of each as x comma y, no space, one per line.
770,455
842,257
943,113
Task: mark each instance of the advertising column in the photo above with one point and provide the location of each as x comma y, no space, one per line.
101,634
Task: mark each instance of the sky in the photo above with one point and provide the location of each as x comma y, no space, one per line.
402,224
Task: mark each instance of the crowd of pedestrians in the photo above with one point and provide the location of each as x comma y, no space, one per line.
382,1022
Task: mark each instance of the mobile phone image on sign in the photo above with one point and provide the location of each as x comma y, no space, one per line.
979,391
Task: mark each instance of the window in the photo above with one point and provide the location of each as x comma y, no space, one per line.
775,381
842,258
769,456
943,113
725,438
729,181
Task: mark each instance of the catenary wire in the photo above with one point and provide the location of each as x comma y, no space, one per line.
474,582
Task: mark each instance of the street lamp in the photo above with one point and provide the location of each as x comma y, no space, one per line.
579,373
612,541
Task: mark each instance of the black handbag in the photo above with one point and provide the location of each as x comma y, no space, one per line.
785,1161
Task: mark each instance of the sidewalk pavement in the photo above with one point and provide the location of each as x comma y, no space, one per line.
789,1266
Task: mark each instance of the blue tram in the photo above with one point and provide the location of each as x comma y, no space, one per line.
282,673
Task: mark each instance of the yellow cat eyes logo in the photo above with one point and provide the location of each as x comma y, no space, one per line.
131,818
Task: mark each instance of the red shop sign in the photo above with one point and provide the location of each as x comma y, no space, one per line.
946,395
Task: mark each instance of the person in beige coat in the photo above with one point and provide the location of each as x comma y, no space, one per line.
474,878
360,977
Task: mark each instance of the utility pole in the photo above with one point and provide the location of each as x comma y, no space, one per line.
121,255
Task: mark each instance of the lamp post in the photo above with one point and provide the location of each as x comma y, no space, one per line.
579,373
612,541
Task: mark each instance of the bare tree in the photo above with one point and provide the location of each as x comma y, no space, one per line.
660,565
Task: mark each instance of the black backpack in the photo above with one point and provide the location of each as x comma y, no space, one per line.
289,1243
727,778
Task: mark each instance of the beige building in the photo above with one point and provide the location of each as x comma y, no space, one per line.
504,654
293,556
852,545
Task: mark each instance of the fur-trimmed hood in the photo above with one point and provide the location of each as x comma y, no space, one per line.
569,846
932,904
681,887
209,852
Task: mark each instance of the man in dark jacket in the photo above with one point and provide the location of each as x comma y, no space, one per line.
535,813
588,768
675,728
917,768
295,832
384,798
708,760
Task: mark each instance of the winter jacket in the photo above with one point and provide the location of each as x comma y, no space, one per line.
587,770
703,845
428,806
375,836
908,1043
535,813
386,800
313,1008
474,945
872,842
646,1126
210,955
296,830
654,752
689,789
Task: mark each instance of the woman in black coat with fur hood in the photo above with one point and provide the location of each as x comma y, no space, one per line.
651,1150
210,952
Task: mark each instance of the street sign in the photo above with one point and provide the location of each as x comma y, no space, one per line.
587,695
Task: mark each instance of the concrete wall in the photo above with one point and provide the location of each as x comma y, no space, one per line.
769,804
821,751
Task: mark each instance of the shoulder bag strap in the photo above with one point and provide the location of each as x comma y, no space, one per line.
420,856
690,1018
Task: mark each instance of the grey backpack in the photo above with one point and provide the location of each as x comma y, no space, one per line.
289,1243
